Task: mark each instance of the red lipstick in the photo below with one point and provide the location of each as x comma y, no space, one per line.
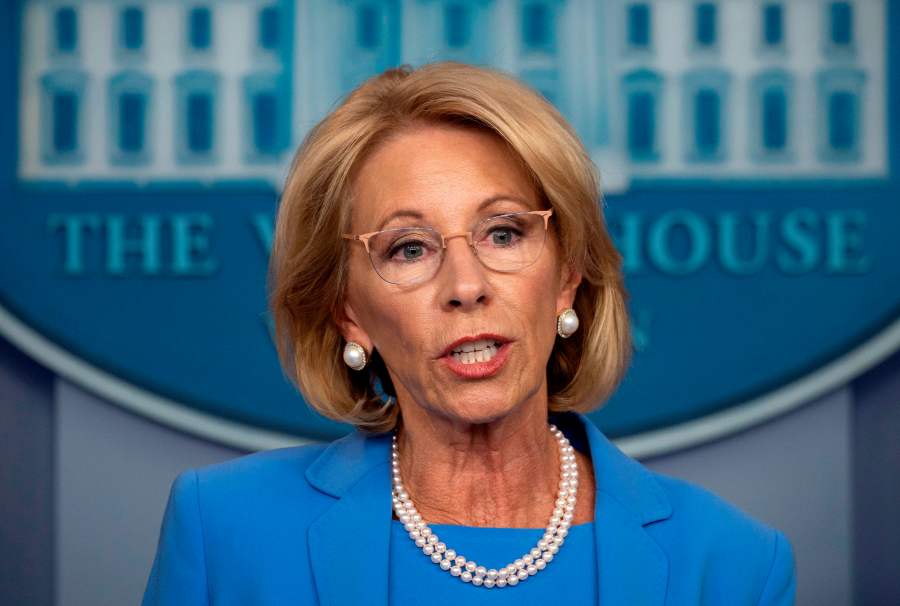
477,370
484,336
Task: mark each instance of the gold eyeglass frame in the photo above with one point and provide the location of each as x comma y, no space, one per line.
364,238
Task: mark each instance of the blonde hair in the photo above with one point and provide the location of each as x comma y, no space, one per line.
308,264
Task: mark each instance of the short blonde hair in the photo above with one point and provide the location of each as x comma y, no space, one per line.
308,264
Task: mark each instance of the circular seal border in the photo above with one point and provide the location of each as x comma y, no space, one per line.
652,443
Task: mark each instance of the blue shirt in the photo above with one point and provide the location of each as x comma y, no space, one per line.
312,525
573,571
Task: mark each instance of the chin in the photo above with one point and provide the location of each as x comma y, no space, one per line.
481,413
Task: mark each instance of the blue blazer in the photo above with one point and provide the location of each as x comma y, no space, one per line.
311,525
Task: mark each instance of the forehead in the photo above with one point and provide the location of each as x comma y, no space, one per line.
443,173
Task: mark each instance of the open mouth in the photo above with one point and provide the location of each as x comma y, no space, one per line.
474,352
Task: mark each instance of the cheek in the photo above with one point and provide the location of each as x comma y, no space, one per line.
384,322
529,302
539,305
397,330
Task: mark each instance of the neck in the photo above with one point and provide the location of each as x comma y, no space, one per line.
502,473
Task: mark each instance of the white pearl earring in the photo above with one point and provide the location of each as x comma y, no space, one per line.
566,323
354,355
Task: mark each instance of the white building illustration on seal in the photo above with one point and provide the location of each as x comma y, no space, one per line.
168,92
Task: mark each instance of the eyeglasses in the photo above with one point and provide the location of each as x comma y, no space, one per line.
410,255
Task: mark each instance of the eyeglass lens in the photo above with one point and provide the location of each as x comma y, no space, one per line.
408,255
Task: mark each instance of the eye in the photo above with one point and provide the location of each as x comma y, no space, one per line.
409,250
501,236
504,235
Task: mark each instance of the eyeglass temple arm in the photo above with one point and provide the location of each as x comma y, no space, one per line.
546,214
364,238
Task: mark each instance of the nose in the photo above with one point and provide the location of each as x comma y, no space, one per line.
462,277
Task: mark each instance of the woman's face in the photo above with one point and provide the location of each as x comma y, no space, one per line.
444,173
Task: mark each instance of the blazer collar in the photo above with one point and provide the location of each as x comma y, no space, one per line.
348,459
349,543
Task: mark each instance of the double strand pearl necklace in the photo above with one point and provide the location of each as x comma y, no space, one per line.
468,571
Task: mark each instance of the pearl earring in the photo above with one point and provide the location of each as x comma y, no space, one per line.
566,323
354,355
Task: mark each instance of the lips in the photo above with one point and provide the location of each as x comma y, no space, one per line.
476,365
470,343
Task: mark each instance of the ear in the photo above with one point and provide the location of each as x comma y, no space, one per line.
569,280
348,324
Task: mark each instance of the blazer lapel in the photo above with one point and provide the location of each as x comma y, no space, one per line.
349,543
631,567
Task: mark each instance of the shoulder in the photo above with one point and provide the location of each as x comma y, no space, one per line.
276,482
723,544
241,527
696,509
260,468
715,551
255,489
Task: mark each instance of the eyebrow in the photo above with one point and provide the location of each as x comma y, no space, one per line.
414,214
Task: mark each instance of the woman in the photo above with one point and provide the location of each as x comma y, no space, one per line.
443,280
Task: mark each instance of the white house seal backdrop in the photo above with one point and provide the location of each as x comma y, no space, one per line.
748,162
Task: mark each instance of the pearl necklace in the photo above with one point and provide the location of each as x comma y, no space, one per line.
469,571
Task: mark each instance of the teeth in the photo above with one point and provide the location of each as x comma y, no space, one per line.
472,357
475,346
